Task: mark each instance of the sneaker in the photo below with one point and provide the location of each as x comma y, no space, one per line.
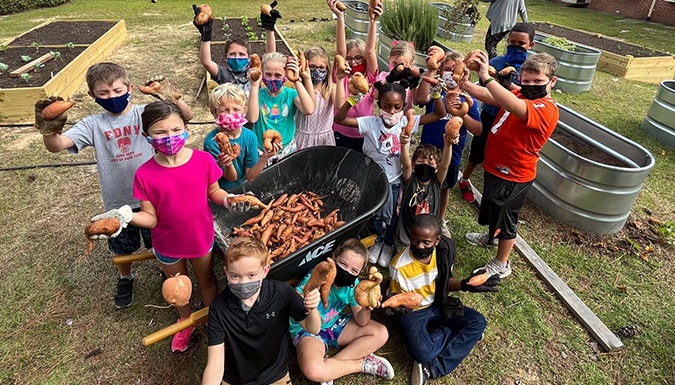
496,267
467,191
181,340
377,366
420,374
374,252
444,228
480,239
385,255
125,294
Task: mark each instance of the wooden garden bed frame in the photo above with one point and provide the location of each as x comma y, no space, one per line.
645,69
17,104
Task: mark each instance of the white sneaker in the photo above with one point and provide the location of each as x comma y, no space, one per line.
377,366
444,228
480,239
385,255
374,252
496,267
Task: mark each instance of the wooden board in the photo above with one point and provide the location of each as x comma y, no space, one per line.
608,340
27,67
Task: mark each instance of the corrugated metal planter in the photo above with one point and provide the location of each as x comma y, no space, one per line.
584,193
464,32
356,19
384,45
575,68
660,120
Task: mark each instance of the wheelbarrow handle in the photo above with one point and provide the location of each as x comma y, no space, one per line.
197,318
120,259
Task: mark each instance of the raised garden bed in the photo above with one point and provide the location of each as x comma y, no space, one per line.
63,32
619,57
61,76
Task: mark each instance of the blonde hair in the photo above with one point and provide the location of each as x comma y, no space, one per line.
273,56
402,48
356,43
243,247
541,63
327,83
225,91
106,72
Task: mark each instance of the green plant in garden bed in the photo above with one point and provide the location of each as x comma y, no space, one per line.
26,58
410,20
37,65
3,67
3,46
560,42
56,54
70,45
26,77
36,45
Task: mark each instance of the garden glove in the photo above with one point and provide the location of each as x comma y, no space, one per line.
268,22
507,79
123,214
240,207
204,29
167,91
488,286
49,127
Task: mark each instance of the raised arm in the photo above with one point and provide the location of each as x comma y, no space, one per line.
205,58
406,164
438,113
446,157
502,97
371,41
340,36
478,92
253,110
303,102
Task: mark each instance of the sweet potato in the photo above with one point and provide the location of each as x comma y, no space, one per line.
460,111
271,137
177,290
407,130
107,226
322,278
408,300
330,277
255,67
290,74
247,198
280,201
472,64
436,57
367,293
302,62
478,279
151,88
56,108
507,71
267,234
340,63
458,72
266,9
225,147
453,126
340,7
371,9
204,15
430,80
358,84
267,218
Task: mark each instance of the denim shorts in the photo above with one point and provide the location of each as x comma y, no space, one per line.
328,336
170,260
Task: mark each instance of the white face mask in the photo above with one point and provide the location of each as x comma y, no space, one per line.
391,119
449,81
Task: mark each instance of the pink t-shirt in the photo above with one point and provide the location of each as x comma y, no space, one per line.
364,108
184,220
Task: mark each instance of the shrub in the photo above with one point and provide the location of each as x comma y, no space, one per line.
410,20
12,6
560,42
462,10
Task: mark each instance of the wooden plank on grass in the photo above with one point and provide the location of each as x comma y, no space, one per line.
608,340
31,65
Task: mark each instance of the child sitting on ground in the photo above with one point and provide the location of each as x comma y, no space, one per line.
356,334
440,332
120,147
526,120
227,103
248,326
382,144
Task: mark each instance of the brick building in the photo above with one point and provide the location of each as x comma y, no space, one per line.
662,11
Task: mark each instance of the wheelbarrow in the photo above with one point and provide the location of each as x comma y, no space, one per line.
347,179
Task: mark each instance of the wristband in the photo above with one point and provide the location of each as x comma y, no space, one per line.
488,80
436,95
352,101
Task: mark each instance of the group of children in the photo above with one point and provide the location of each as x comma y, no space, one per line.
158,188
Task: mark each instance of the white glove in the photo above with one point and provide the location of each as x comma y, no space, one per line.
240,207
124,214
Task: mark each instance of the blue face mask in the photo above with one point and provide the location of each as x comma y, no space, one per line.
238,64
274,85
318,75
114,105
515,55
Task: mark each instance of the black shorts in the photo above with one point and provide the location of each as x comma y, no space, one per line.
129,239
502,200
477,153
451,178
355,144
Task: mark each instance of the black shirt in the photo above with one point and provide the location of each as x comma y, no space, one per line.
256,342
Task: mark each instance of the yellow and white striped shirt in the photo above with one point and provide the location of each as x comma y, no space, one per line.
408,274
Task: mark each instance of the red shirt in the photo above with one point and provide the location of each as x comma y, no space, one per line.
513,144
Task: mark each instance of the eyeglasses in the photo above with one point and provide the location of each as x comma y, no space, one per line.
320,68
356,59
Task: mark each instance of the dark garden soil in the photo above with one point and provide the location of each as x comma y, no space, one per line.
12,57
584,149
238,31
611,45
62,32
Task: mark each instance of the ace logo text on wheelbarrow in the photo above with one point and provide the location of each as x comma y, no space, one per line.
316,253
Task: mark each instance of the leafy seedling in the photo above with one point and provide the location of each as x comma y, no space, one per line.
3,46
249,29
258,20
26,77
36,45
262,36
3,67
56,54
224,19
26,58
37,65
252,36
226,27
70,45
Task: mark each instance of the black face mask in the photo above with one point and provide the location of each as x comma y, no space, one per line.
424,172
418,253
532,91
343,278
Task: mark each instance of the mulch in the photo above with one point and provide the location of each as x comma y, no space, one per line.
62,32
599,42
12,57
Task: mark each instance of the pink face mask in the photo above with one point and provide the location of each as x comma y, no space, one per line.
391,119
231,121
168,145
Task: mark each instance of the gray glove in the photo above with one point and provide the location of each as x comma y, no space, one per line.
49,127
124,214
240,207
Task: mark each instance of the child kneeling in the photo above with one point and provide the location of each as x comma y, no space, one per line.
357,334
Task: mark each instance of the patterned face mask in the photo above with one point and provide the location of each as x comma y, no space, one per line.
274,85
231,121
168,145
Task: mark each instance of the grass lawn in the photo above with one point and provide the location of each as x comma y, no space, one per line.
59,323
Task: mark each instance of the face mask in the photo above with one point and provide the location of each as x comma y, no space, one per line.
245,290
274,85
343,278
515,55
391,119
424,172
237,64
114,105
418,253
168,145
359,68
231,121
448,80
318,75
532,91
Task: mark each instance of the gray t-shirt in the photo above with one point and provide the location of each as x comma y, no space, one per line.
503,14
120,149
239,79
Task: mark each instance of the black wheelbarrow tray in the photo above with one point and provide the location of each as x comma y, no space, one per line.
348,180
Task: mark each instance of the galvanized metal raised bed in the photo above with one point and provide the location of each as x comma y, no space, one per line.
356,19
384,45
584,193
463,32
660,120
575,68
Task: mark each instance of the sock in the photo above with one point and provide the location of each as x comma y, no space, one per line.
129,276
